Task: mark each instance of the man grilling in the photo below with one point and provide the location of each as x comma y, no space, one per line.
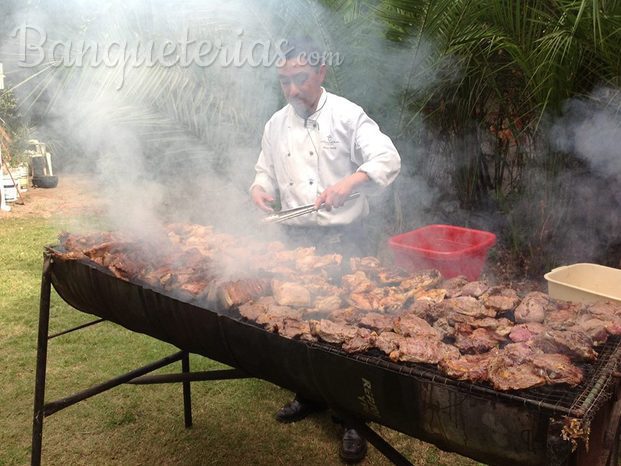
320,148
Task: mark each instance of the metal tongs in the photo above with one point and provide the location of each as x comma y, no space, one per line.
284,215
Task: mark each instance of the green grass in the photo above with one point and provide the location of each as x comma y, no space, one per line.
131,425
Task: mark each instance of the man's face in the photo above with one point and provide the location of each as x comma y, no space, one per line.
301,84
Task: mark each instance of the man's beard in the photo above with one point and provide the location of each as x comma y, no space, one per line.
301,108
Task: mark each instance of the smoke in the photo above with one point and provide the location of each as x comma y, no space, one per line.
590,129
164,104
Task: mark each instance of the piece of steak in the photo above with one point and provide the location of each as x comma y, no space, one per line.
434,295
593,327
376,321
273,319
345,314
525,332
454,285
410,325
466,305
500,298
472,367
575,344
474,289
426,349
327,303
557,368
253,310
444,329
424,309
332,332
296,329
291,294
479,340
533,308
363,340
561,318
605,308
388,342
511,369
365,264
423,280
501,326
357,282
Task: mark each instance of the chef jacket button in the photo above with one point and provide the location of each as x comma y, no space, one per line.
310,182
288,154
311,152
290,183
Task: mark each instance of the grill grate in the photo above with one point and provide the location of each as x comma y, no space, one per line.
582,401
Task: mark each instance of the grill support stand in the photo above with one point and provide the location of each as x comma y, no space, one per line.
607,453
375,439
136,376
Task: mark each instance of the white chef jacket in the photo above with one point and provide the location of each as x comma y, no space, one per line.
301,158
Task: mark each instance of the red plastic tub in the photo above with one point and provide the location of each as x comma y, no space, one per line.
451,250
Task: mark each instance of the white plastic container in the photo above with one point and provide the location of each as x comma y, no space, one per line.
585,283
10,189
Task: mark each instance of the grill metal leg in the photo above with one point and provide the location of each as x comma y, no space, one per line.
39,398
187,393
376,440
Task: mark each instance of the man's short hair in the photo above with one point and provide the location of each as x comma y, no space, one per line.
306,49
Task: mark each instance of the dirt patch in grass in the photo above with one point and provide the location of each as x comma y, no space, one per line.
75,195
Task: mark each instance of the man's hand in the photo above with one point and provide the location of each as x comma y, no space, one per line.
262,199
337,194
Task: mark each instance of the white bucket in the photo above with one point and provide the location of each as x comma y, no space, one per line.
10,190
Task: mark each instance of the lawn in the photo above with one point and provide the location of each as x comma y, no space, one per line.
130,425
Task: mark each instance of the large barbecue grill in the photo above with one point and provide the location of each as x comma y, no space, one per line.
530,427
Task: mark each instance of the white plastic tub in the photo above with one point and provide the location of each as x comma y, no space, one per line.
585,283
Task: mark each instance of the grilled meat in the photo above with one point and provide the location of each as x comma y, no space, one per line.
296,329
593,327
533,308
443,328
364,264
576,344
472,367
525,332
561,319
421,280
350,315
410,325
357,282
511,369
424,309
557,368
233,294
425,349
332,332
327,303
454,285
252,310
377,322
406,315
474,289
363,340
466,305
435,295
291,294
388,341
476,341
500,298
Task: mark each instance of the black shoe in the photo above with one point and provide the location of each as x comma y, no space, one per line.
296,410
354,447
